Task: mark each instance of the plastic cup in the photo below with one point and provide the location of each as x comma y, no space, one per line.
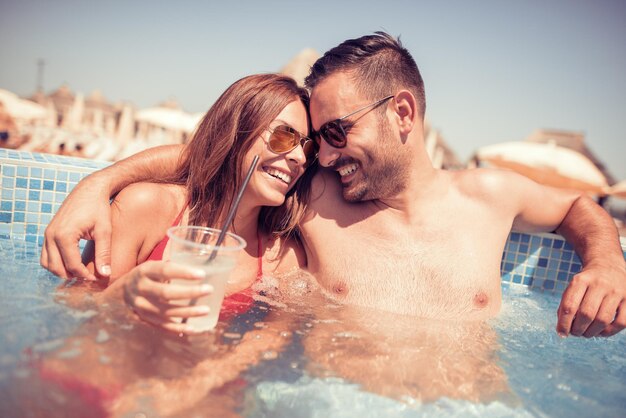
193,245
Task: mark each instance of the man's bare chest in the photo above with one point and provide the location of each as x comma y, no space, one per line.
434,276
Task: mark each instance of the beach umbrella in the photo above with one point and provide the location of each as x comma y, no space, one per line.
168,118
126,126
74,119
20,108
547,164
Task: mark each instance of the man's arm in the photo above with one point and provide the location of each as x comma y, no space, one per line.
86,214
594,303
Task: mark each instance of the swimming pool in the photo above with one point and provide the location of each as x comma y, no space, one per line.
65,354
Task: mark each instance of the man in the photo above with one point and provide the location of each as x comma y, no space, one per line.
385,230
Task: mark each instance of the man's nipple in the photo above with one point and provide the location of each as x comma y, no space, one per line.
481,300
340,288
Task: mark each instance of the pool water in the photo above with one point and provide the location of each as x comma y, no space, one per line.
68,352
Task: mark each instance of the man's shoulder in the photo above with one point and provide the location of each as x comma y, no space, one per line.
482,182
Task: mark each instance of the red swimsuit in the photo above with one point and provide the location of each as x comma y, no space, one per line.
233,305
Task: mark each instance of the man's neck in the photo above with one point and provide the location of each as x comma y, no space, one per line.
423,184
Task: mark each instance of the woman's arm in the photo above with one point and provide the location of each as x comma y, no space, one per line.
86,213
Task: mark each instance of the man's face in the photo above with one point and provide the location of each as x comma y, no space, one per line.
371,165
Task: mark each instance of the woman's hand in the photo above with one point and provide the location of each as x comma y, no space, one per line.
149,294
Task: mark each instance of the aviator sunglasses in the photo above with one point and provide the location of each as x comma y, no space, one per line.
335,132
284,138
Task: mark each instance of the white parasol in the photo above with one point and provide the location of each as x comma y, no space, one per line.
20,108
546,164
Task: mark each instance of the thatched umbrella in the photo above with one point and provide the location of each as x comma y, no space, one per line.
617,190
300,65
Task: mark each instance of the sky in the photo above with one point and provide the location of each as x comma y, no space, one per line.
494,71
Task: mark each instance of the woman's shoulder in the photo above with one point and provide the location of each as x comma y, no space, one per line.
152,199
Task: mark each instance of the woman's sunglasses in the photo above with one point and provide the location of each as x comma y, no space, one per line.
284,139
335,132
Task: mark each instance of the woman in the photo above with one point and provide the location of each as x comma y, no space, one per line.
264,115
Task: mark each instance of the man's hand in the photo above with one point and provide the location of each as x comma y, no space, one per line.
594,303
148,293
86,214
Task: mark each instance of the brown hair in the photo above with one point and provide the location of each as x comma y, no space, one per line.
212,163
379,66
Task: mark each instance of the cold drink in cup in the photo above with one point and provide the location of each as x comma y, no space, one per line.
194,246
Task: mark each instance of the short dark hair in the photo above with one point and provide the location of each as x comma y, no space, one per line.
379,65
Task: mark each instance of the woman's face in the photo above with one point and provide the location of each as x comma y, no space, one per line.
276,174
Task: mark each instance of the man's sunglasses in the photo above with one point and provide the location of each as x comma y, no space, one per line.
335,132
284,139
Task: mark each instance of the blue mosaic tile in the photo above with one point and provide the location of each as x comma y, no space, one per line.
31,229
8,171
18,216
548,284
6,217
61,187
48,185
47,196
48,174
543,262
46,208
6,206
22,171
20,194
21,183
525,238
558,244
34,184
7,194
35,172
